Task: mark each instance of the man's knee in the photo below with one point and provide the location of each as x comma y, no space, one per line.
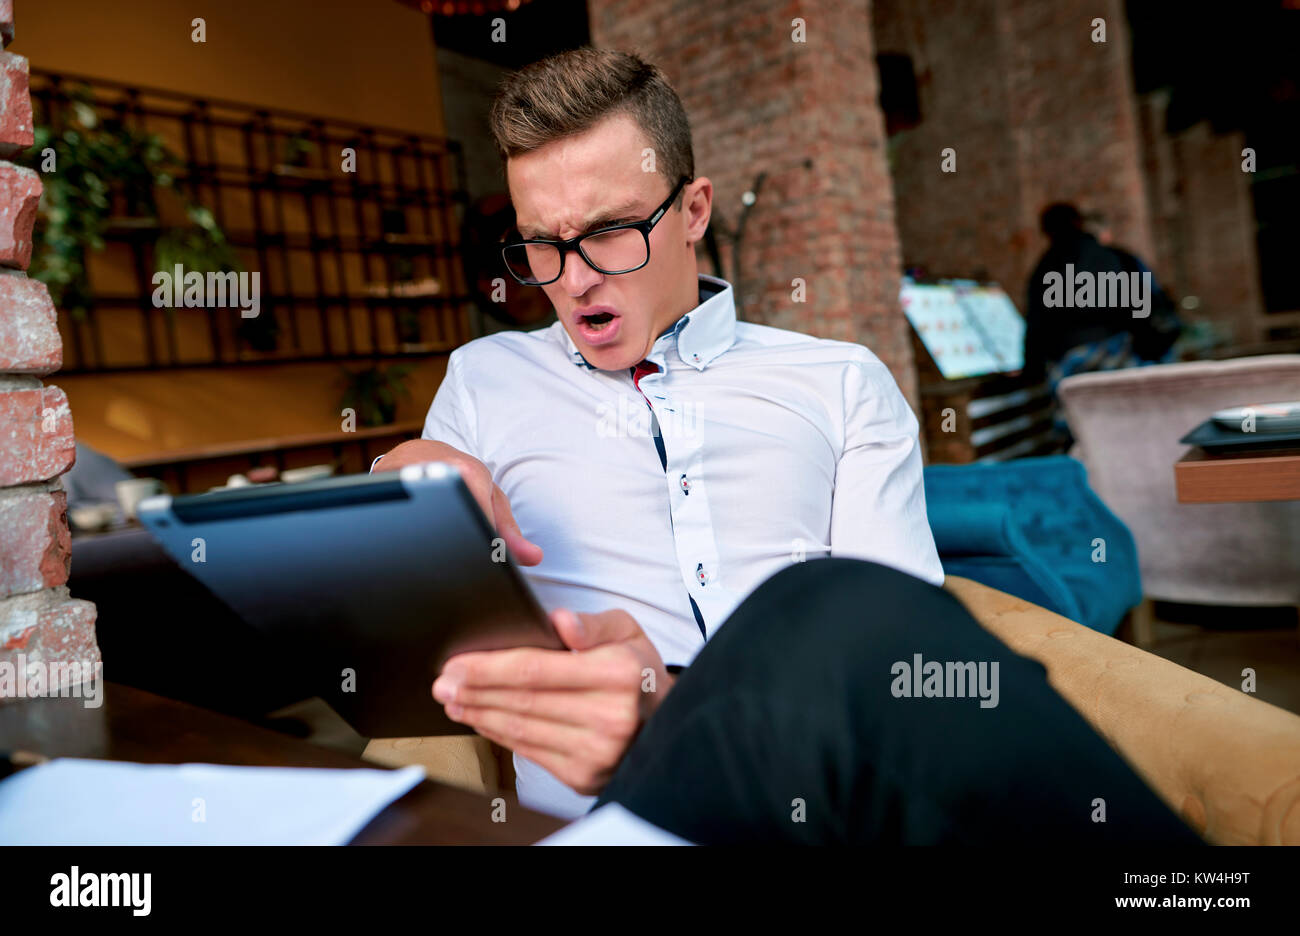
827,592
834,608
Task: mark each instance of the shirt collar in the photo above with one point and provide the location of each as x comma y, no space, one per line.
701,335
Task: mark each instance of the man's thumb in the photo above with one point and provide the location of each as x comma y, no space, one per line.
584,631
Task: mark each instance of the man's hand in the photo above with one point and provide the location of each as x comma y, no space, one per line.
573,712
478,479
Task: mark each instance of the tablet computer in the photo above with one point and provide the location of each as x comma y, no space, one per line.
365,584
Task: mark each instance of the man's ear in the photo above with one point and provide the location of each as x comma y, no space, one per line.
697,205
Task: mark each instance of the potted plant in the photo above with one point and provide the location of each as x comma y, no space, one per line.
100,174
372,393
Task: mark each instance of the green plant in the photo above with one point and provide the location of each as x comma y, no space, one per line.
373,393
201,247
91,167
295,150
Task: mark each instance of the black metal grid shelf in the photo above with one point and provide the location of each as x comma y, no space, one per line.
337,252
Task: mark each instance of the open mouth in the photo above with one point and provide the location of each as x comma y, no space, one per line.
598,321
598,325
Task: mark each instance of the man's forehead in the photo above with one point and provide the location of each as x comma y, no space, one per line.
581,207
583,179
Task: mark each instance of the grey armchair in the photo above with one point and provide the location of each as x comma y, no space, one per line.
1128,423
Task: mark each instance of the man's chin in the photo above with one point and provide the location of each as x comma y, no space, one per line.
613,358
617,355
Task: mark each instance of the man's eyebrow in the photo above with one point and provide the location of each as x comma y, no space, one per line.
606,216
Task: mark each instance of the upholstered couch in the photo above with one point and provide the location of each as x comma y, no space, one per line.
1228,762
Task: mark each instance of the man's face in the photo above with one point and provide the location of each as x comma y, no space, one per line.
595,179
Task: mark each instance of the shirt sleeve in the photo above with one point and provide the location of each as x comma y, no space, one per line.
451,416
878,508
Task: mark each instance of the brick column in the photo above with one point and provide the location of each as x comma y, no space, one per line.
39,622
1203,218
760,101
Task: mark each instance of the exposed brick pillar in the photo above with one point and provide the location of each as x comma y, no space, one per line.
1160,165
759,101
1036,111
1217,215
39,623
1203,216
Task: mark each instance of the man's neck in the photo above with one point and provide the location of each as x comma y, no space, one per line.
689,303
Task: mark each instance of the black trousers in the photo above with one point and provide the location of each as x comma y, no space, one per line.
790,727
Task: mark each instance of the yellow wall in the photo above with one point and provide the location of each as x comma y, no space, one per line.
370,61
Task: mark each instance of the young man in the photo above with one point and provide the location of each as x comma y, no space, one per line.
675,482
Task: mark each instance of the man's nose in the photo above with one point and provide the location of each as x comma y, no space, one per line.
578,276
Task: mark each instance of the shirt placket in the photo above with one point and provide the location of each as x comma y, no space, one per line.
688,497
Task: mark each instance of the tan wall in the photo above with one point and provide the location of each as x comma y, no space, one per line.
372,62
136,415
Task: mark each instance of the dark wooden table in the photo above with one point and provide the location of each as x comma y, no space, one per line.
1202,477
132,725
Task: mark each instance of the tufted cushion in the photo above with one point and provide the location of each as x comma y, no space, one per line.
465,761
1060,518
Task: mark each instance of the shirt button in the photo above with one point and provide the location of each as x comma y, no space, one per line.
686,486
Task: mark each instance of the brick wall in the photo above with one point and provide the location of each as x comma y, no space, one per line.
1203,216
759,101
39,622
1036,111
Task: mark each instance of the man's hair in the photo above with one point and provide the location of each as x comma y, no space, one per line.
1061,220
571,92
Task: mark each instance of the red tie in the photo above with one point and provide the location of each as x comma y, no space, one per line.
645,367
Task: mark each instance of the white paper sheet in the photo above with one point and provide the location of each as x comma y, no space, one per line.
69,801
611,824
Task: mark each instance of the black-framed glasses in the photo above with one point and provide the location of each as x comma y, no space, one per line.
619,248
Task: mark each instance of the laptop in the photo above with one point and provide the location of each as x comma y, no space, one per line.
365,584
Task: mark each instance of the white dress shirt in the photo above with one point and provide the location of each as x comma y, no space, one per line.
779,447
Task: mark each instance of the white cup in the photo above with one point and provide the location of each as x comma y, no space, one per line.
133,490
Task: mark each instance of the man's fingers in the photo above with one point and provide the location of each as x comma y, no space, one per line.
490,499
533,732
525,552
570,707
528,667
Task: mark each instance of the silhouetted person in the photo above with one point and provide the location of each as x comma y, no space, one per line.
1053,330
1090,308
1154,337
